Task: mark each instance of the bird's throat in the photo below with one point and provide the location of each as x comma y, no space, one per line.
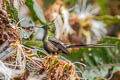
45,35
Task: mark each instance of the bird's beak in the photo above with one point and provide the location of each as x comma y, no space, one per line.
42,27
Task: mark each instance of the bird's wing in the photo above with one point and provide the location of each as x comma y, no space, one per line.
59,45
49,47
52,47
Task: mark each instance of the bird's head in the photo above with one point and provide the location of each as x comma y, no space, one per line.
46,27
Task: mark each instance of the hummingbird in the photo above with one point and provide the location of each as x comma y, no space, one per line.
54,46
51,45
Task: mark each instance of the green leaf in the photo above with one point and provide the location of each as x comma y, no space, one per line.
104,6
47,3
12,11
70,3
108,19
35,44
36,11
